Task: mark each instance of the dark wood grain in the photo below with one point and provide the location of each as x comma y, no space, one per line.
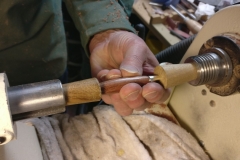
115,85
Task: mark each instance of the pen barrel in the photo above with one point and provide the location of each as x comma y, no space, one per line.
175,74
115,85
91,90
82,91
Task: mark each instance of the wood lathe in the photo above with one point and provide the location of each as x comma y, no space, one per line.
213,67
37,97
209,112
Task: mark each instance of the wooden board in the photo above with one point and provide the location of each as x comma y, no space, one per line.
158,29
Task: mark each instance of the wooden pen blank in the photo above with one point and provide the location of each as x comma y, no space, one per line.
91,90
115,85
175,74
82,91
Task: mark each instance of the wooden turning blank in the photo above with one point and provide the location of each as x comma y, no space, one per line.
174,74
82,91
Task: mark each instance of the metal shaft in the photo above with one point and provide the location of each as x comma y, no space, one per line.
36,96
189,14
178,12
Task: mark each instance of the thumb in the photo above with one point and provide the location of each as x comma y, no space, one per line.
132,64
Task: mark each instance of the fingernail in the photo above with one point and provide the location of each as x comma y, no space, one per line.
103,76
130,69
150,95
114,76
132,96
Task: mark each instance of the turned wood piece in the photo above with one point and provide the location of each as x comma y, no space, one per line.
115,85
82,91
174,74
193,25
91,90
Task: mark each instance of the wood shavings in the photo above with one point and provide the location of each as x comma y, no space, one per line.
105,19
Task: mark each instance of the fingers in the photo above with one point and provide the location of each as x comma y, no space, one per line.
138,60
155,93
101,76
140,98
106,74
132,64
120,106
132,96
131,56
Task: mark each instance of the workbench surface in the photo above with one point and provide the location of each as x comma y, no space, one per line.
158,29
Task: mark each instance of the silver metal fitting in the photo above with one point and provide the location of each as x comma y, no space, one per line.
213,67
36,99
151,78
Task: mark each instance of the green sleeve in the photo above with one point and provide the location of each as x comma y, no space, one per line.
94,16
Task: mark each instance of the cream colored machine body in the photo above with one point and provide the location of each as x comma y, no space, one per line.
212,119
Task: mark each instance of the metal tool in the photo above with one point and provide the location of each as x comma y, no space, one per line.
155,4
188,13
193,26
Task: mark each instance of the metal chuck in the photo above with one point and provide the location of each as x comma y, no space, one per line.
213,68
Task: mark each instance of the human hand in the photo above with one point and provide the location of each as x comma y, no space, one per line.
116,54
